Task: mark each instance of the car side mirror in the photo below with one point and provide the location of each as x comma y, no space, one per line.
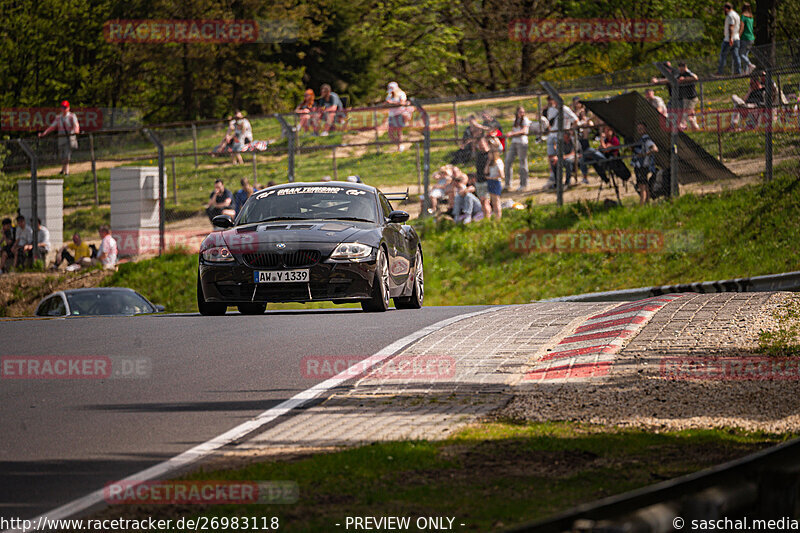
222,221
159,308
398,217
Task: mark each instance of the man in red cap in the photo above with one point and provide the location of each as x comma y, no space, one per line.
66,124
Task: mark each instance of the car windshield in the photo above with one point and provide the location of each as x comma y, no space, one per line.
107,303
303,203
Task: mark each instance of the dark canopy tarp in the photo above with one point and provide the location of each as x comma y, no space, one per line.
623,112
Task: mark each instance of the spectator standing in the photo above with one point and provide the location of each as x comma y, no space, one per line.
23,246
730,42
241,196
305,112
7,240
330,106
397,99
107,252
76,252
67,128
551,114
233,140
644,162
687,92
518,147
495,174
476,140
245,127
746,38
220,201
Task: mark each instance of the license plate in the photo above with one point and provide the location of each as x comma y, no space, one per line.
281,276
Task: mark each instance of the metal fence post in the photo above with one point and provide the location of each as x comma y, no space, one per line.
161,207
255,169
94,168
455,119
426,159
34,196
377,134
174,183
768,130
194,143
419,170
674,104
702,104
289,133
559,141
335,170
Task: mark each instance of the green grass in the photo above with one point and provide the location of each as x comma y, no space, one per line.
487,477
745,232
784,339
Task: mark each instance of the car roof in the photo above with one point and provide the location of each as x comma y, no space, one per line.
347,184
96,289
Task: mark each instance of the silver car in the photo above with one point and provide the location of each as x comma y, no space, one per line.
105,301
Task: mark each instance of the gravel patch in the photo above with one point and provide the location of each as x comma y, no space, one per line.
644,389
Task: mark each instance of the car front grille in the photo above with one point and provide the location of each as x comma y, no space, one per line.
296,259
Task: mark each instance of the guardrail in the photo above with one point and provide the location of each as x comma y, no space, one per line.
761,486
787,281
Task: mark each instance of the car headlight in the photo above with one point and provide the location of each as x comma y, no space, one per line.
352,250
218,254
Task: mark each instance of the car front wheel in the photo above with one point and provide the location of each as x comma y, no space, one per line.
380,286
208,308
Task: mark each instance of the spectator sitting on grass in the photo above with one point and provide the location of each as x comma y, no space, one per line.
107,253
23,246
466,206
330,106
241,196
43,236
76,253
438,191
305,112
219,202
755,98
7,241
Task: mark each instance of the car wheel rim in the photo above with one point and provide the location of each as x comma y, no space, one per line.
420,278
385,281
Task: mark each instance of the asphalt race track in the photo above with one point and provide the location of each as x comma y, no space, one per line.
63,438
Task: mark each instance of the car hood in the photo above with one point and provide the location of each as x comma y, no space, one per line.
270,235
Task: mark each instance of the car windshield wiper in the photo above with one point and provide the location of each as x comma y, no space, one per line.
357,219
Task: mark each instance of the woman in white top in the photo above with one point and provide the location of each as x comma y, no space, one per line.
518,147
397,99
495,173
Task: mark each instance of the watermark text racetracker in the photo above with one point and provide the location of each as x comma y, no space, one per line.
605,30
89,118
74,367
207,492
603,241
200,31
744,368
401,367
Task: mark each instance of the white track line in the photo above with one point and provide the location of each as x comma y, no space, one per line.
202,450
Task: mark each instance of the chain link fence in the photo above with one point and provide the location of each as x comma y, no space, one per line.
727,132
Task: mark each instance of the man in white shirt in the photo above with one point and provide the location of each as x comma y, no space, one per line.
551,114
67,127
730,42
43,236
656,101
23,247
107,253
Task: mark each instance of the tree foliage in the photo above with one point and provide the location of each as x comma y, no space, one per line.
55,49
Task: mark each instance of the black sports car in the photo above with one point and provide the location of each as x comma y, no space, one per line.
304,242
